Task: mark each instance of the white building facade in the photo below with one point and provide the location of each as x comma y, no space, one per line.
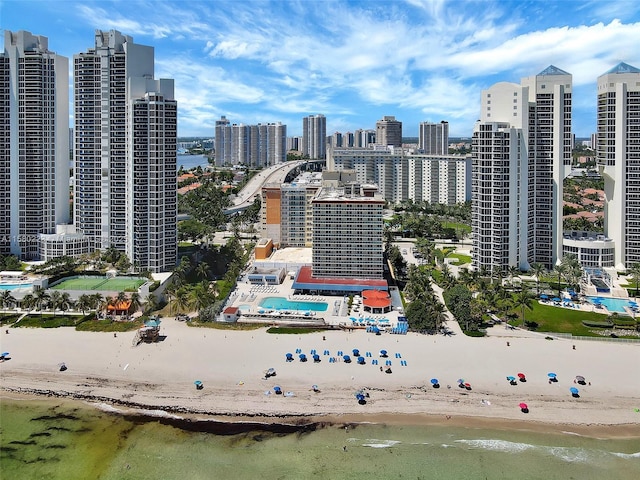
125,152
521,154
618,156
34,143
433,138
256,146
314,136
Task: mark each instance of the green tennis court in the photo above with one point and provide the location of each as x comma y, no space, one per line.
100,284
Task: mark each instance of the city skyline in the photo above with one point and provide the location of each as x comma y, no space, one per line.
353,62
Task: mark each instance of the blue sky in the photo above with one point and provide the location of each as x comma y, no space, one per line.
353,61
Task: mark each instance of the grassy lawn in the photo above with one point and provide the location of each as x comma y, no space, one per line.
460,258
8,318
463,227
559,319
294,330
49,321
226,326
109,326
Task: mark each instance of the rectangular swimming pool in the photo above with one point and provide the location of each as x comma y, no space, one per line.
281,303
612,304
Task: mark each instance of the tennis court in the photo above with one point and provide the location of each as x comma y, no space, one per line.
118,284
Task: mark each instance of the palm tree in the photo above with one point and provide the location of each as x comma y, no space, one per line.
28,302
634,271
65,302
84,303
203,271
513,272
41,299
181,301
134,298
523,299
6,299
201,297
561,271
439,314
150,303
537,269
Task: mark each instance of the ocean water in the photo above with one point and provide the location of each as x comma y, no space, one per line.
53,439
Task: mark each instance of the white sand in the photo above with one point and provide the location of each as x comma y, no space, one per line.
231,366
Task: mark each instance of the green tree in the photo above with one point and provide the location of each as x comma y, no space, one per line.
634,271
134,298
537,270
523,300
6,299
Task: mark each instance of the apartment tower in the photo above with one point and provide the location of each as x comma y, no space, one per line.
618,155
314,136
389,131
125,152
521,154
433,138
34,143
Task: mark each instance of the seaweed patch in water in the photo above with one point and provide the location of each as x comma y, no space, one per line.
40,434
19,442
59,429
60,416
56,446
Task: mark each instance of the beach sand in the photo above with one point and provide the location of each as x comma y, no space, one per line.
231,364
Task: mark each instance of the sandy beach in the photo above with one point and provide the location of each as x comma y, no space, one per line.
231,364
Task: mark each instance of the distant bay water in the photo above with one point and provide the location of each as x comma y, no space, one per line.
191,161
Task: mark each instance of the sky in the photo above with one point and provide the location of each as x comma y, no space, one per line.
352,61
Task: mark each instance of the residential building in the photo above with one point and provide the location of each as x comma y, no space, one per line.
433,138
389,131
314,136
256,146
521,154
34,143
618,155
364,138
402,176
125,152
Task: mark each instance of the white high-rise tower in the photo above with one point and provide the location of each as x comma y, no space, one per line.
125,152
314,136
618,154
34,143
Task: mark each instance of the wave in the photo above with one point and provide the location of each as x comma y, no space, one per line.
626,455
375,443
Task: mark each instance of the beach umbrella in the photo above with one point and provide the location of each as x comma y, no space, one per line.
555,299
461,380
289,357
521,375
551,375
315,388
361,360
4,354
316,358
434,381
277,389
580,379
356,352
632,304
467,386
383,353
544,297
574,390
566,300
197,382
511,378
302,357
346,359
523,405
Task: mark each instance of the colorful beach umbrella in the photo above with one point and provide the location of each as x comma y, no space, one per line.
551,375
434,381
4,354
521,375
197,383
511,378
383,353
574,390
523,405
461,380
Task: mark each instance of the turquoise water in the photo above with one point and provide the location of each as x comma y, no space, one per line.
13,286
281,303
613,304
55,440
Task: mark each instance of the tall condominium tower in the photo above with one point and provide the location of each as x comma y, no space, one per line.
125,152
521,149
314,136
34,143
252,145
389,131
618,154
433,138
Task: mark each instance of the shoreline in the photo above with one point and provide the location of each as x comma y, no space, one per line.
231,365
235,423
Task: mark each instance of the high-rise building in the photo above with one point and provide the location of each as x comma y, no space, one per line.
314,136
125,152
618,154
256,146
364,138
389,131
433,138
521,154
347,234
402,176
34,143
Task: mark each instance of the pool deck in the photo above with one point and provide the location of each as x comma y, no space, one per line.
337,312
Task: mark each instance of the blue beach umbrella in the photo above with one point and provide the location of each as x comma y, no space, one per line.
434,381
511,378
346,359
356,352
277,389
555,299
383,353
461,380
4,354
544,297
574,390
632,303
551,375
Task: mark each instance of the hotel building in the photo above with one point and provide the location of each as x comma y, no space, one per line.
125,152
521,154
34,143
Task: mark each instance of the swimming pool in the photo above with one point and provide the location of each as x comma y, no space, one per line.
281,303
612,304
15,286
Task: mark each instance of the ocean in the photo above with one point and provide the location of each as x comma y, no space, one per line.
191,161
62,439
